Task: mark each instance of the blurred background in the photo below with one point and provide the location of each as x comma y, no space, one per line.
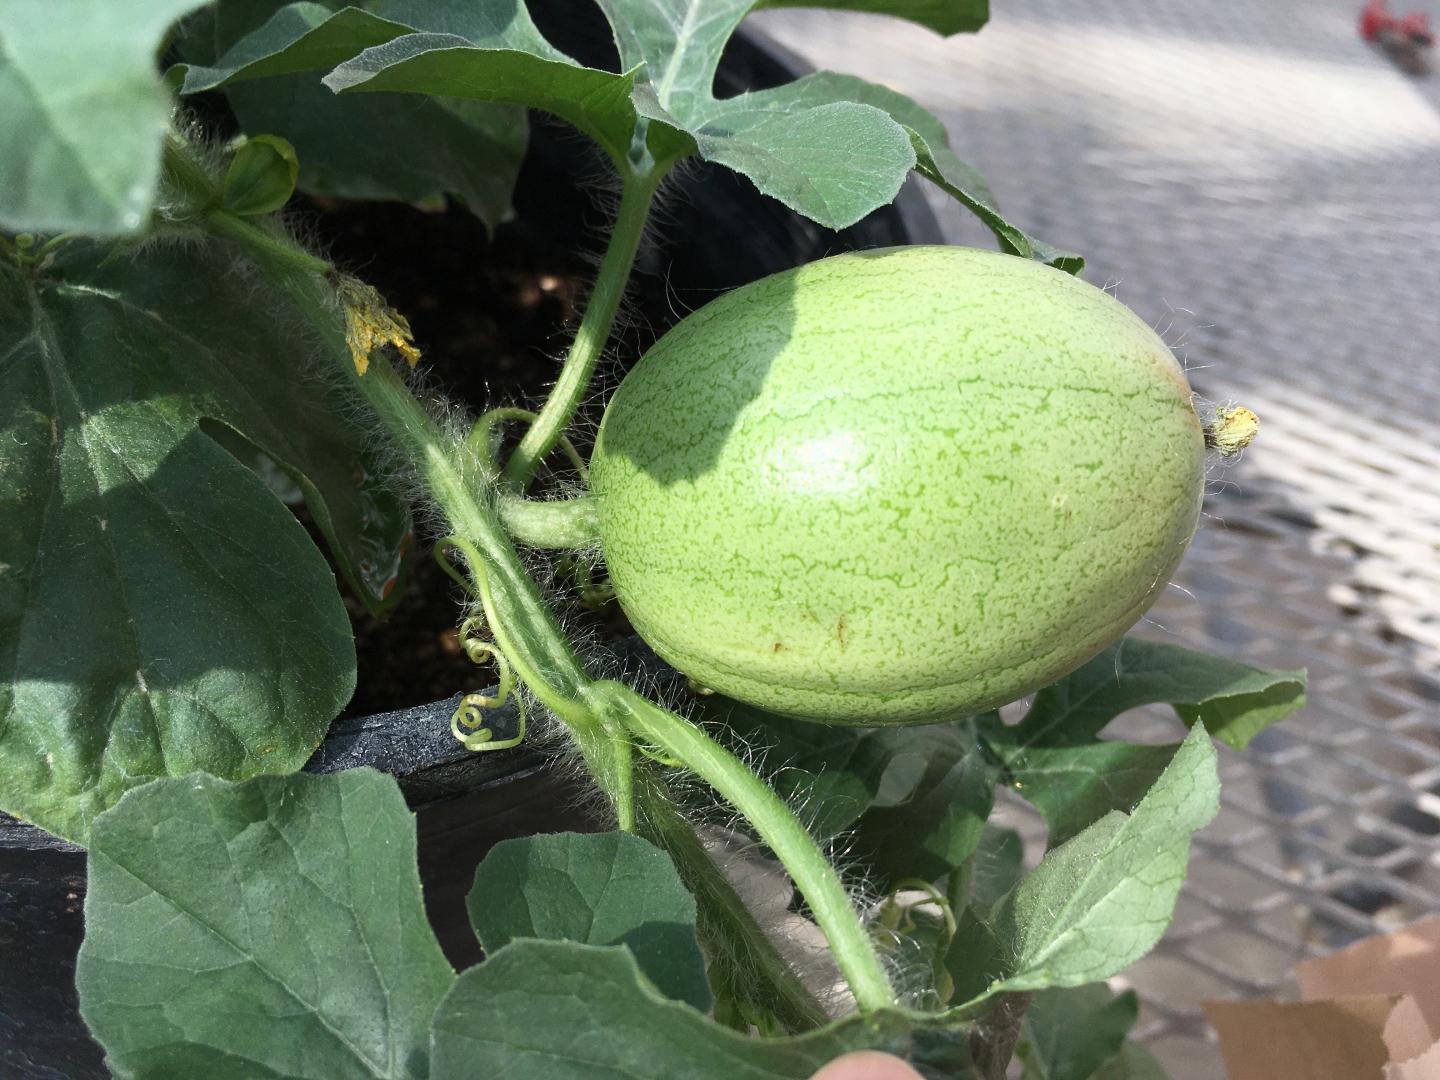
1261,184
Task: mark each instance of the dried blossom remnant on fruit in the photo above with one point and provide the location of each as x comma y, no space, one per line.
1232,430
370,324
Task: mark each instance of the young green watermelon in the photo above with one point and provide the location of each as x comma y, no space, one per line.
897,486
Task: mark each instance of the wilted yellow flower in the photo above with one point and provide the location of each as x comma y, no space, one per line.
1232,430
370,324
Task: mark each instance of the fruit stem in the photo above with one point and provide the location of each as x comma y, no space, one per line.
622,797
777,826
554,524
570,388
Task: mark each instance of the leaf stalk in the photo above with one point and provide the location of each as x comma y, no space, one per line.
595,325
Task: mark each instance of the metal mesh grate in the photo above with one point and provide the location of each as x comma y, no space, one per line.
1260,166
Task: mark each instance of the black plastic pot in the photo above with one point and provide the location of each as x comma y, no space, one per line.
721,233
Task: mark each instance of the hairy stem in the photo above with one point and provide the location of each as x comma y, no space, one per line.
273,252
778,827
623,796
993,1038
559,409
744,965
183,172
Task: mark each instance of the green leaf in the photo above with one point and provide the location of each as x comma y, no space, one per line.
832,160
943,16
161,612
391,147
1074,786
270,928
1053,758
938,824
596,889
297,38
823,148
548,1010
944,1053
1234,701
934,159
261,177
488,51
524,70
938,164
1133,1062
676,45
999,860
1069,1034
384,147
975,960
1100,901
834,163
345,486
915,946
85,112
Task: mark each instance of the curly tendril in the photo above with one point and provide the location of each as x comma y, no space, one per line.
444,545
897,916
471,713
